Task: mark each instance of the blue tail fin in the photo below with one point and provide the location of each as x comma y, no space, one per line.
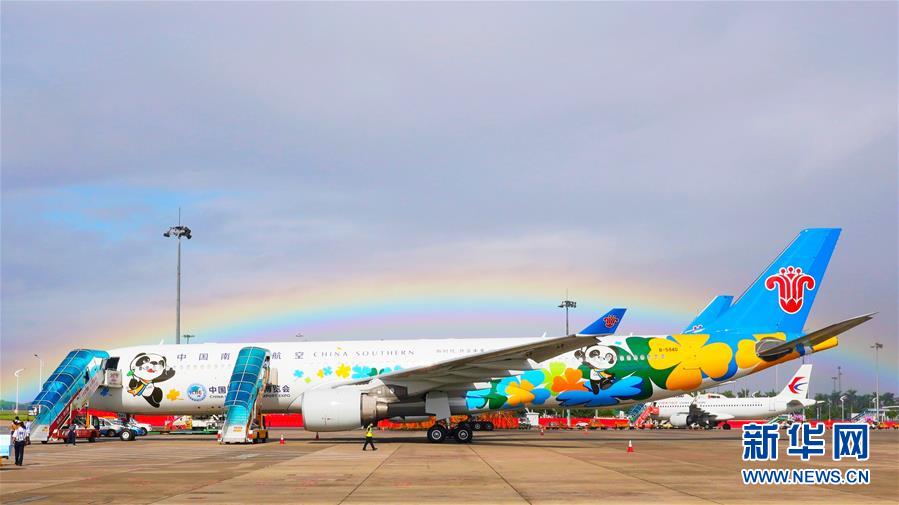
780,298
709,314
606,324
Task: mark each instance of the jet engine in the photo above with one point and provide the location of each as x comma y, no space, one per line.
681,420
340,409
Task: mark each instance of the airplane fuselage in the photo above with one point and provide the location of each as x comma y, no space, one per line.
615,371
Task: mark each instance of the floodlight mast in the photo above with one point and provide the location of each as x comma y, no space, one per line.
178,232
567,304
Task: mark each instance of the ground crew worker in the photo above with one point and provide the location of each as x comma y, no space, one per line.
19,438
370,437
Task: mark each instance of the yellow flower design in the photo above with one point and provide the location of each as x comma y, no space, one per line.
174,394
343,371
519,393
690,357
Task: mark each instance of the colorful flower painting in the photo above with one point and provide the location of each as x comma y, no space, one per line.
691,358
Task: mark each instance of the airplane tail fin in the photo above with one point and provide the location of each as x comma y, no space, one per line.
710,313
798,386
782,296
605,325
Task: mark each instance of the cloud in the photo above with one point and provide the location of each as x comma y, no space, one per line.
677,146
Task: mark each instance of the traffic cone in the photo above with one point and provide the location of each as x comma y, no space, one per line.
282,441
316,435
630,446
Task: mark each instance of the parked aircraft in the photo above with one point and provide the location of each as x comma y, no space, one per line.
347,384
709,410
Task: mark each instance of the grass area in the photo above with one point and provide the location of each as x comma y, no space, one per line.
9,415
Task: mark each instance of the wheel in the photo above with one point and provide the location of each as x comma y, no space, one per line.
126,435
725,426
110,433
43,441
478,426
144,431
436,434
92,439
488,426
463,435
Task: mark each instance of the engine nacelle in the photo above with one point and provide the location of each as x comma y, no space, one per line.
340,409
680,420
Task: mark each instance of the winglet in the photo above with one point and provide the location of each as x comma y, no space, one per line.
605,325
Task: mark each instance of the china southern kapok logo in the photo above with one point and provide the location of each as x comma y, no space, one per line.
610,320
791,284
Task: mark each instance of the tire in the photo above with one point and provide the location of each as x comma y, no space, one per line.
477,426
110,433
92,439
488,426
126,436
436,434
43,441
143,431
725,426
463,435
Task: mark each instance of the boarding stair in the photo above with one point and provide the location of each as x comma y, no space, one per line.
639,413
248,380
67,389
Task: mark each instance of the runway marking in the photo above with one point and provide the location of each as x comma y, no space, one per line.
501,476
370,474
27,500
635,476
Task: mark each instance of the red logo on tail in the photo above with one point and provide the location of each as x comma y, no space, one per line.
610,320
791,284
794,385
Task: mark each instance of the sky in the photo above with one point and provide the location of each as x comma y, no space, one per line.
412,170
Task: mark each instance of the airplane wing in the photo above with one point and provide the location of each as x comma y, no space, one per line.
485,366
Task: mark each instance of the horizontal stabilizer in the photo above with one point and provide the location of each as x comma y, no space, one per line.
815,337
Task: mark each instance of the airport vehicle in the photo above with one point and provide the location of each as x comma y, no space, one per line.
139,428
88,433
112,427
348,384
710,410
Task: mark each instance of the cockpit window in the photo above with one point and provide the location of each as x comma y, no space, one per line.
112,363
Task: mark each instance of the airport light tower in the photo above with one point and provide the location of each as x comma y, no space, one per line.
178,232
877,347
567,304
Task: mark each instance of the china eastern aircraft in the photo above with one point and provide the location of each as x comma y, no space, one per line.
347,384
710,410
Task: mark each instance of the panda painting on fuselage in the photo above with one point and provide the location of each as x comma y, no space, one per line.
595,360
147,369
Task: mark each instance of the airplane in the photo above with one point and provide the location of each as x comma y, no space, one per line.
343,385
710,410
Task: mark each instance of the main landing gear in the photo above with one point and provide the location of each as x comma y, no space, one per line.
438,433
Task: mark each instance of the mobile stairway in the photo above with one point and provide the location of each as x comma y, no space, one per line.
68,388
247,385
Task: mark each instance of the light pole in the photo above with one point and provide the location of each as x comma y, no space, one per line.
843,408
187,337
840,379
178,232
877,347
16,373
567,304
834,384
40,373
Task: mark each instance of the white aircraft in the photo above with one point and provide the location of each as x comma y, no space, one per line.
709,410
347,384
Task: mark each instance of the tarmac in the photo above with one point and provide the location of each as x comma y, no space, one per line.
666,467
